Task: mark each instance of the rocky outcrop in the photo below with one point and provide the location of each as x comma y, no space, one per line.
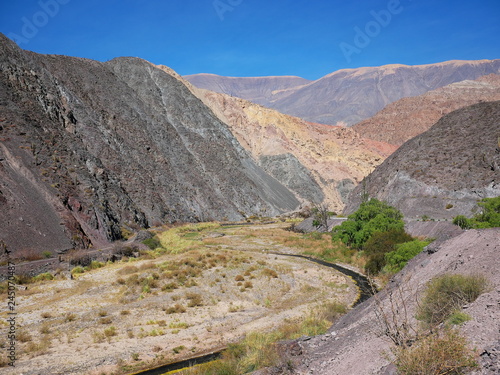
348,96
443,172
408,117
89,146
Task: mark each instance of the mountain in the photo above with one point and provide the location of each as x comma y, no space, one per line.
409,117
256,89
348,96
319,163
87,147
444,171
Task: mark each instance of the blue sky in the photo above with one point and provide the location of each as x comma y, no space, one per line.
258,37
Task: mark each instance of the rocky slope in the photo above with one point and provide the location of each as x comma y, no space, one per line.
320,163
350,95
444,171
87,147
409,117
356,344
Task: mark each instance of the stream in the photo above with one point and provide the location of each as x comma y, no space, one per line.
361,281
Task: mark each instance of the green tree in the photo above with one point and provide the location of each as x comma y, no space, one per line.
372,216
381,243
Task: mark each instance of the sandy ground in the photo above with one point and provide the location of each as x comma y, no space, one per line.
100,320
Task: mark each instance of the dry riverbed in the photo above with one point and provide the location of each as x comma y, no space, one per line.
173,306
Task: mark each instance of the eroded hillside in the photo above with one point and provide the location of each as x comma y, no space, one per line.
408,117
443,172
349,96
87,147
317,162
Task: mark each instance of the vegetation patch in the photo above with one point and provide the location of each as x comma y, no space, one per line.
489,217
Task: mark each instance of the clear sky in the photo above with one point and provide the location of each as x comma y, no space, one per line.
307,38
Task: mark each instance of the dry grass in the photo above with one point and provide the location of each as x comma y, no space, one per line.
205,278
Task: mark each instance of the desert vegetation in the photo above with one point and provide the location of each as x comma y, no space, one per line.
376,233
201,286
432,344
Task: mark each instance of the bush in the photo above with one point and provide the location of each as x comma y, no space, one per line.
381,243
488,218
372,216
437,354
462,222
448,293
152,243
396,260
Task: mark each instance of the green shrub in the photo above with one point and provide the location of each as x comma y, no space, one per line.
437,354
43,276
489,217
463,222
396,260
372,216
381,243
458,317
152,243
77,270
448,293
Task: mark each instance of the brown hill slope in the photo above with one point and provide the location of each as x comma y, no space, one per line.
318,162
444,171
351,95
409,117
88,146
356,344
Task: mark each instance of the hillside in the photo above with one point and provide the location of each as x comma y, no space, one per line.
444,171
87,147
409,117
349,96
356,344
319,163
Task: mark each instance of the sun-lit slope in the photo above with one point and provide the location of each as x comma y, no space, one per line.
409,117
337,157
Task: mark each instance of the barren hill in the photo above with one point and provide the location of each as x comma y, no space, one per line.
350,95
444,171
409,117
318,162
356,344
87,147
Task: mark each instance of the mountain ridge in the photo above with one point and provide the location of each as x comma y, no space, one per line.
99,163
348,96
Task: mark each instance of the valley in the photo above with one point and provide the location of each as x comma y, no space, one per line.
213,287
148,218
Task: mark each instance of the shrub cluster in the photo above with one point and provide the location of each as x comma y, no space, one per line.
372,216
447,294
489,217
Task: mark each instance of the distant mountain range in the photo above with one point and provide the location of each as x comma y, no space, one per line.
346,96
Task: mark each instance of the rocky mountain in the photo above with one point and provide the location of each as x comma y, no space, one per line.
319,163
348,96
409,117
442,172
87,147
